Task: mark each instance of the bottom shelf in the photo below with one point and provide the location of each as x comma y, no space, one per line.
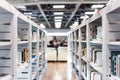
5,77
114,77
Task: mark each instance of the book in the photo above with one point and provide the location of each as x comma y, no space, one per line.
99,33
95,76
115,59
117,66
96,56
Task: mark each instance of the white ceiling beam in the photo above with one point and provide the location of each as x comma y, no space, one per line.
58,2
42,12
73,13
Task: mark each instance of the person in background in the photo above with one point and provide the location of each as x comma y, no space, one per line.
56,45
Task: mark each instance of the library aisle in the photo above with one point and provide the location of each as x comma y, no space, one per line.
55,71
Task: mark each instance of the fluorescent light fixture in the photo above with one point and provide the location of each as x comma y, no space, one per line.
71,26
75,23
57,34
97,6
57,24
58,17
32,17
28,13
89,13
42,26
82,17
58,20
58,13
58,6
21,7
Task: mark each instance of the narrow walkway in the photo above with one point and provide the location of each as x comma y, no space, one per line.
56,71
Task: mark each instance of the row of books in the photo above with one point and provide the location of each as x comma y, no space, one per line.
22,34
115,63
96,33
84,51
23,56
96,56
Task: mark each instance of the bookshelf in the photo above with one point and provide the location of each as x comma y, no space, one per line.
20,47
98,41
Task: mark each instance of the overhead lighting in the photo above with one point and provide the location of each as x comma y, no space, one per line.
82,17
28,13
57,24
76,23
58,17
58,6
58,20
42,26
58,13
97,6
21,7
57,34
32,17
89,13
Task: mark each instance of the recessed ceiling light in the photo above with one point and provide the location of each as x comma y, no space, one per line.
28,13
58,13
57,24
21,7
97,6
89,13
82,17
58,20
58,17
42,26
58,6
32,17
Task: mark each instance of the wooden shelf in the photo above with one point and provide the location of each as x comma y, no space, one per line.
97,68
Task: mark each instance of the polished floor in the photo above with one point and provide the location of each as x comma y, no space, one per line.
56,71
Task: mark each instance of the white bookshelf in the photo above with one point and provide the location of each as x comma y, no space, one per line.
5,43
17,43
96,67
101,31
84,58
83,75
